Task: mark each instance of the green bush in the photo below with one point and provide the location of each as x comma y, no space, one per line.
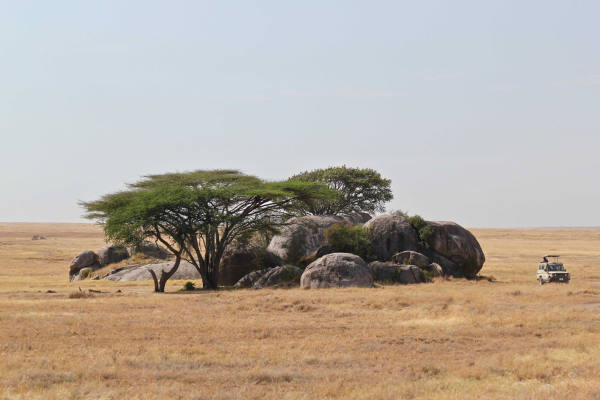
189,286
424,230
417,222
86,273
400,213
426,276
349,239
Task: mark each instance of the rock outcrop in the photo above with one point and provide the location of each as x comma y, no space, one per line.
304,235
248,280
85,259
337,270
112,254
411,258
186,270
385,272
321,251
241,259
152,250
391,234
459,246
282,276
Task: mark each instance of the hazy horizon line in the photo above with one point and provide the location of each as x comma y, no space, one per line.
469,227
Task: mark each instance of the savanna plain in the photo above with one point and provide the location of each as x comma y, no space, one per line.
498,338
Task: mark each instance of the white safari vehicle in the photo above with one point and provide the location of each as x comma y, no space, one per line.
552,271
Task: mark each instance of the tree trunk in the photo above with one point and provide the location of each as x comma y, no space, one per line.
156,287
163,281
212,278
159,285
208,283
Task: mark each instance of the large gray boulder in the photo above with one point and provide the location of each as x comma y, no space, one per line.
112,254
455,243
186,270
391,234
282,276
410,257
385,272
337,270
248,280
86,258
303,236
150,249
241,259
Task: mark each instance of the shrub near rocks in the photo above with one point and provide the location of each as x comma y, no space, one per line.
303,236
352,239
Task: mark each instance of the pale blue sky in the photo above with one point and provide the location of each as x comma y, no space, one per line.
482,112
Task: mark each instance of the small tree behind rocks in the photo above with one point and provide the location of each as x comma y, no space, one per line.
358,190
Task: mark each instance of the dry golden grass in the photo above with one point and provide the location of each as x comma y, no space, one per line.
446,340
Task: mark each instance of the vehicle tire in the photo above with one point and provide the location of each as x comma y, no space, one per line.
541,281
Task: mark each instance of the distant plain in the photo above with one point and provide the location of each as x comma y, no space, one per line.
451,339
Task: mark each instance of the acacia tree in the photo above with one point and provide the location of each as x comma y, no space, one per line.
196,215
357,190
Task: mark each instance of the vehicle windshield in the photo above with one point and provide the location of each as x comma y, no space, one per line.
555,267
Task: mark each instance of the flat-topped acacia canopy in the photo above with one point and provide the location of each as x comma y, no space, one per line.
197,214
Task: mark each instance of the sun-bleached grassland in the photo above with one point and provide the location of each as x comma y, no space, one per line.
447,340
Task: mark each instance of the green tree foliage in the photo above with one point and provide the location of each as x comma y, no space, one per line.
424,230
358,190
196,215
349,239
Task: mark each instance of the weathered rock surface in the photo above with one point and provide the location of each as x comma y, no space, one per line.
142,272
150,249
304,235
84,273
391,234
241,259
282,276
86,258
321,251
248,280
112,254
434,269
385,272
458,245
449,267
411,258
337,270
